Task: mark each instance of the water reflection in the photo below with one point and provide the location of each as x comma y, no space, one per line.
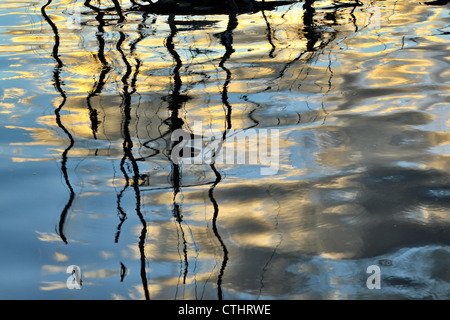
57,83
364,147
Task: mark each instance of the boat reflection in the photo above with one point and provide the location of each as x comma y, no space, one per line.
150,69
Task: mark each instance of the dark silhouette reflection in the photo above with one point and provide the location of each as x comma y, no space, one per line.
123,272
437,3
310,32
209,7
58,85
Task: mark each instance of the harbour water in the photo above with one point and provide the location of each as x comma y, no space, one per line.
357,92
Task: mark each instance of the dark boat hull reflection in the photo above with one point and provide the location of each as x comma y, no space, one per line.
200,7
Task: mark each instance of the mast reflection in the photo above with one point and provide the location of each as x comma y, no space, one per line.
131,162
57,82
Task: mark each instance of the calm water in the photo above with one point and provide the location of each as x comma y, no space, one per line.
90,96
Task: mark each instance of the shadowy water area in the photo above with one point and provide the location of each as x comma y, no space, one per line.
92,93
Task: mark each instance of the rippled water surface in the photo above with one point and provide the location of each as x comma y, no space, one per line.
92,92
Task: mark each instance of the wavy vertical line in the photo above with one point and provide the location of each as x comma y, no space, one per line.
227,41
105,69
265,268
128,154
58,85
121,212
269,35
175,122
216,231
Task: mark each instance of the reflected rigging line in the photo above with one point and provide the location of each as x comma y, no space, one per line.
175,122
216,232
57,83
128,154
122,214
266,265
98,86
269,35
312,36
227,42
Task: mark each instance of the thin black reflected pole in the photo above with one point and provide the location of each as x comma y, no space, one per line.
121,212
269,35
227,41
58,85
98,86
176,100
128,154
